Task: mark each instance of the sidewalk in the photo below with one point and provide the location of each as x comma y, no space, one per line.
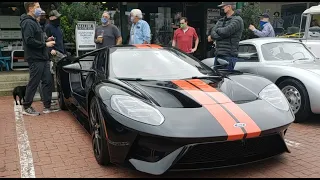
60,147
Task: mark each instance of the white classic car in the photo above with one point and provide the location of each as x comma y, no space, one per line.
287,63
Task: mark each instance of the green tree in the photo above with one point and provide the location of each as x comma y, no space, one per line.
77,11
250,14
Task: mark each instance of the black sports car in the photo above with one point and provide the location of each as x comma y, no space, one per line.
156,108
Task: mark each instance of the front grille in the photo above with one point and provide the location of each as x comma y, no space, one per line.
231,152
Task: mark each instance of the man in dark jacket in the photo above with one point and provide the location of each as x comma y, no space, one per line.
227,34
53,29
36,54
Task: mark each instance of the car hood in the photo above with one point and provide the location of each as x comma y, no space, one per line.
183,93
206,108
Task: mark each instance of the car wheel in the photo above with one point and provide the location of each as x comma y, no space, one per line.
98,134
297,96
62,104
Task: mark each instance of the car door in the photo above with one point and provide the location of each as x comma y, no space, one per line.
248,59
77,83
99,65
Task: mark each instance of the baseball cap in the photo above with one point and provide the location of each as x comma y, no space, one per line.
227,3
265,15
54,13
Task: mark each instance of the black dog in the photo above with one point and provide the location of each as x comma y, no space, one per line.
19,91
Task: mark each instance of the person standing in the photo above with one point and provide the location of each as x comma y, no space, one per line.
57,52
227,34
277,20
140,32
184,36
36,54
42,21
265,25
107,34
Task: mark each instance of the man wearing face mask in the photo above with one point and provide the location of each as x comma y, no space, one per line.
53,29
227,34
265,25
140,32
107,34
36,54
184,36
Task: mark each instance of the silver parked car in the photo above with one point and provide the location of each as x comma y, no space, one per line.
287,63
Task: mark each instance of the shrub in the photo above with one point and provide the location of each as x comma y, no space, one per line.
250,14
77,11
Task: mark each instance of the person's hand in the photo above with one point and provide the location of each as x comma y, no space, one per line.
193,50
53,52
251,27
50,38
209,39
50,43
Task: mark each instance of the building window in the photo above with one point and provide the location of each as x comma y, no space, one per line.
291,14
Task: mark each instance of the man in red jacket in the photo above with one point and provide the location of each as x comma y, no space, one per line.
184,36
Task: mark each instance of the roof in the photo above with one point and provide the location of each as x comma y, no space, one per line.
139,46
312,10
268,40
142,46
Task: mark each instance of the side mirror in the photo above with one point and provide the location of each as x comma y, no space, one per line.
210,62
75,68
223,62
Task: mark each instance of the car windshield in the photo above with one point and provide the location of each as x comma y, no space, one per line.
282,51
154,64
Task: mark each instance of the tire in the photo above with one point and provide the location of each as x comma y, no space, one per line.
62,104
304,111
101,154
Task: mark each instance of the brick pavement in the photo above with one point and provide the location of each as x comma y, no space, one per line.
62,148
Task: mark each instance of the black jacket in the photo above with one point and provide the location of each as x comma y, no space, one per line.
227,33
33,38
55,31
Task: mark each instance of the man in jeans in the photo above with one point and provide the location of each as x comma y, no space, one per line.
227,34
36,54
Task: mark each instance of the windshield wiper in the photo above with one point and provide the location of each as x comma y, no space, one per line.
205,77
134,79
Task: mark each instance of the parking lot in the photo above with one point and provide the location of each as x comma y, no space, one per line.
55,145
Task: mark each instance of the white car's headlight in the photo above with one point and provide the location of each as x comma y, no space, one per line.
136,109
275,97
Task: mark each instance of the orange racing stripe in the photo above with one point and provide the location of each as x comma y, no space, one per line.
221,115
155,46
251,127
142,46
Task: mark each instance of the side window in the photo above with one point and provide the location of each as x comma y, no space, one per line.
248,53
86,62
100,61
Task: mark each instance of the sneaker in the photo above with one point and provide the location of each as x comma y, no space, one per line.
30,112
53,103
50,110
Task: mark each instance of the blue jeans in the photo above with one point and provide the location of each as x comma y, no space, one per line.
232,62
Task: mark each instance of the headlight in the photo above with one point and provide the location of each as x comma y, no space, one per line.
136,109
275,97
